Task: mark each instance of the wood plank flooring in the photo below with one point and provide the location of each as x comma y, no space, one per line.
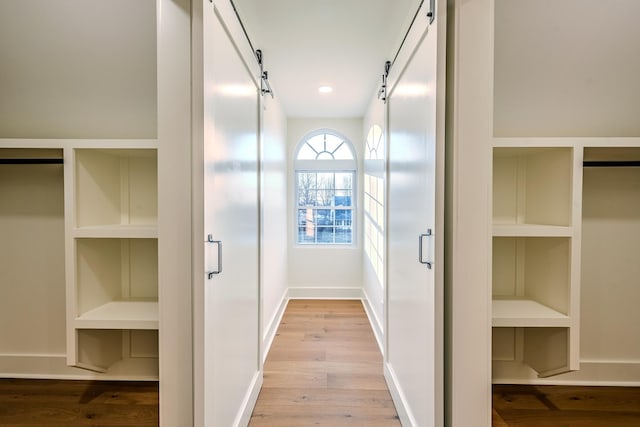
324,369
56,403
560,406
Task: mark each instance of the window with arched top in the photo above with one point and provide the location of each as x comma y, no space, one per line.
325,177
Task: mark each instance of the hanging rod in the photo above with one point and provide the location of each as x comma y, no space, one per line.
33,161
611,163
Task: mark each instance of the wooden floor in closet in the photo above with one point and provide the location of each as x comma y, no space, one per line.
324,369
56,403
565,406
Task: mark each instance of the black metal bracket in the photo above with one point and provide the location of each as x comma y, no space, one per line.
382,93
265,87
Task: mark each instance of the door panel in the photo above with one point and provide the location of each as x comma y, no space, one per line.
414,309
231,360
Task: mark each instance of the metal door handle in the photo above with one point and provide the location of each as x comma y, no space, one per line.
219,243
432,11
421,260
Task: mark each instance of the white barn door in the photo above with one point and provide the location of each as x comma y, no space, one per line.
231,363
414,356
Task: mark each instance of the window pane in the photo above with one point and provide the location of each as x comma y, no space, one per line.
342,198
344,181
343,235
306,189
306,226
343,153
306,153
324,217
326,235
343,217
326,189
326,180
333,142
317,142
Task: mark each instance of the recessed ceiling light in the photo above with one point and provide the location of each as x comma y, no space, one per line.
325,89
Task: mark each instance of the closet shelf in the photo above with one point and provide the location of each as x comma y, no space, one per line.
526,313
531,230
117,231
120,315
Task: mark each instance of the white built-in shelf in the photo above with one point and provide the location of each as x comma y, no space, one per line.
531,230
120,315
526,313
117,232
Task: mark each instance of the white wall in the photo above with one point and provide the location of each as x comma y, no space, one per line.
328,272
274,217
32,290
78,69
573,73
374,259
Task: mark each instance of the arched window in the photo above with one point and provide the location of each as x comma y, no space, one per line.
325,176
373,203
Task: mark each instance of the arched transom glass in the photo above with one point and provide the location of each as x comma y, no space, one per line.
325,146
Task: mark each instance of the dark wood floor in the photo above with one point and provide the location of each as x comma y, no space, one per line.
324,369
54,403
565,406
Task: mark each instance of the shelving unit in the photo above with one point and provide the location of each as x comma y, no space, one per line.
113,259
535,258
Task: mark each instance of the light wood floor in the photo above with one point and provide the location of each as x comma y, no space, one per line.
324,369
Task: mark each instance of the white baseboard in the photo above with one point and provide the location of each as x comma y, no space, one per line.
271,329
325,293
54,366
591,373
373,320
399,400
249,402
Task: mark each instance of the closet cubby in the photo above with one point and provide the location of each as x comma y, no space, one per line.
531,281
102,350
117,283
116,192
543,350
532,190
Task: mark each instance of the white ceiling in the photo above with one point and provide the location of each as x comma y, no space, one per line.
341,43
